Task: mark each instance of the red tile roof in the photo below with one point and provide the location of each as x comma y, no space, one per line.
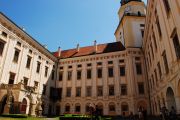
90,50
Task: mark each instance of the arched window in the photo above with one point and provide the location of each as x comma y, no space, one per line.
67,108
78,108
112,107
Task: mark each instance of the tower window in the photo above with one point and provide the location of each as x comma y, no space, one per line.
111,90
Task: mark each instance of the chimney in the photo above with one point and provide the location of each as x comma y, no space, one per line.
77,48
59,51
95,46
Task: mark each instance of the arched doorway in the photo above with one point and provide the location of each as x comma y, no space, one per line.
23,106
2,104
100,107
170,98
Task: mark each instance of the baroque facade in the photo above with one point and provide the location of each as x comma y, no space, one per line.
161,46
118,77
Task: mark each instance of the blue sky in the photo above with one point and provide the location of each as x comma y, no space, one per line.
65,23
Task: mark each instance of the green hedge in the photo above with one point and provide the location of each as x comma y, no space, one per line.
14,115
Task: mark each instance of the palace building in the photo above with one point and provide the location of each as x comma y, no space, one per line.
140,69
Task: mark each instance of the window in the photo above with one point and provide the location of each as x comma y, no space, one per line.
79,66
122,70
30,51
67,108
142,25
159,69
16,55
28,63
46,71
44,90
11,78
110,62
158,26
89,74
88,91
138,68
4,34
61,68
99,72
78,75
111,90
121,61
60,76
78,92
78,108
176,45
141,88
100,91
112,108
110,71
142,33
1,47
52,75
18,44
38,67
165,62
99,63
69,75
68,67
25,81
166,5
123,89
39,57
89,65
68,92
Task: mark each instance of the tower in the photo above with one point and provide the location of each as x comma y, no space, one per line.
130,30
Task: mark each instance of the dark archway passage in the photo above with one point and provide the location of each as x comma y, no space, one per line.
170,98
23,106
2,104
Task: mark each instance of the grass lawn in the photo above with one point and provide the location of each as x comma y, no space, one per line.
28,118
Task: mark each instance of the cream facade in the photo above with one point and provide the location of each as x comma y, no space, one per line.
161,46
25,66
129,88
